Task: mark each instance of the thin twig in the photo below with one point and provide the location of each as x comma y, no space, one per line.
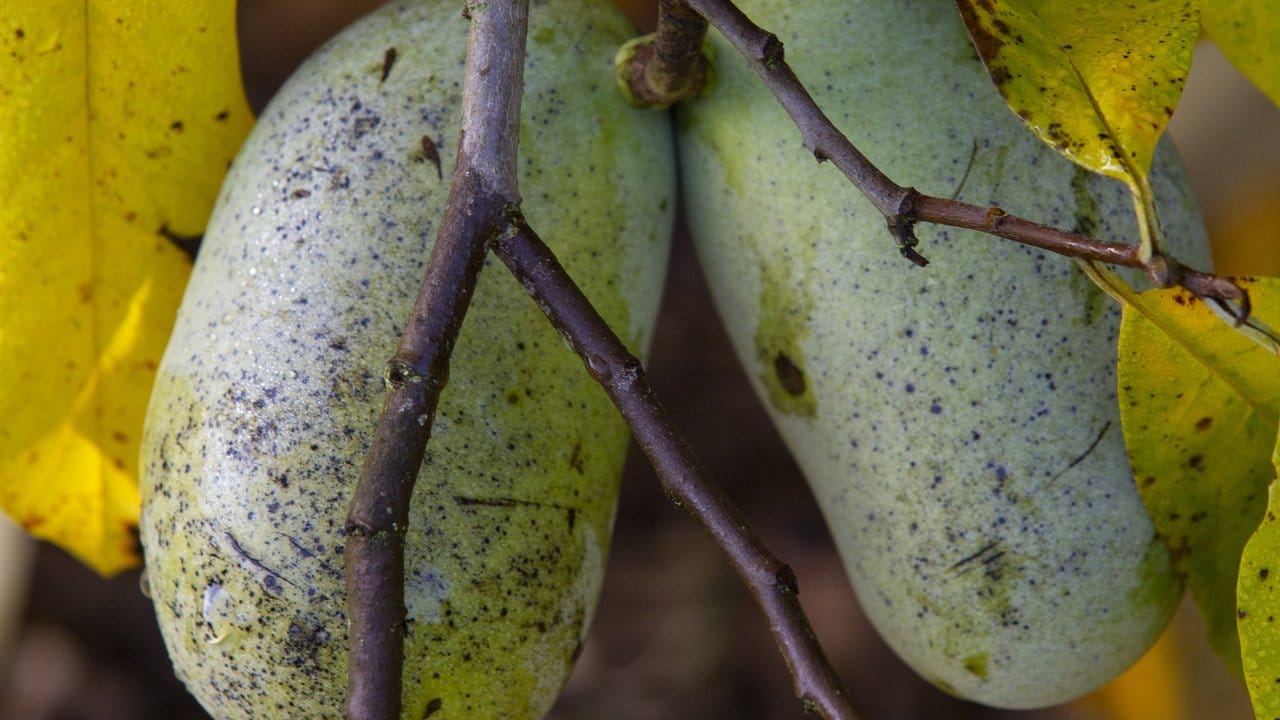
483,187
902,206
683,479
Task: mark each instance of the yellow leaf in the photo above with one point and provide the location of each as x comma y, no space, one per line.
1097,81
1259,606
1248,33
1200,404
120,119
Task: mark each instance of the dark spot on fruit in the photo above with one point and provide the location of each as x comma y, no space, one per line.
1203,423
790,377
305,641
222,116
364,125
176,126
1195,461
433,707
388,61
1263,573
432,153
575,458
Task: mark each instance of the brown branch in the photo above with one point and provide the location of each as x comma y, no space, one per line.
483,187
902,206
683,479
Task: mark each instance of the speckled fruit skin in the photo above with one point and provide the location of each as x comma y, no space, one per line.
271,386
957,423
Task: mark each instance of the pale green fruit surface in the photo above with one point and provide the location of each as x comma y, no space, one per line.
957,423
271,386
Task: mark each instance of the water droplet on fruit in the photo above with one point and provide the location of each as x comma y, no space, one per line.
218,610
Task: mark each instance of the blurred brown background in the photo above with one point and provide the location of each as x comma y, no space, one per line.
676,635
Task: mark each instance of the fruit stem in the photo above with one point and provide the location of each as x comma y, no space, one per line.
663,68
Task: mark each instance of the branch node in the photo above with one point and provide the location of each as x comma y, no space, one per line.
1164,273
1223,292
400,373
663,68
902,225
772,54
785,581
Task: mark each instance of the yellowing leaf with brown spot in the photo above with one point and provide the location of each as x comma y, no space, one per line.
1248,33
1259,607
120,118
1097,81
1200,404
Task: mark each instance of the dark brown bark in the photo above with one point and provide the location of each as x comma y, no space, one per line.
483,187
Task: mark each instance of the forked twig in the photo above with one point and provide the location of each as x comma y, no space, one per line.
482,210
483,187
683,478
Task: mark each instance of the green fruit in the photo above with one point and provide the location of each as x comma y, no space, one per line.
272,384
957,423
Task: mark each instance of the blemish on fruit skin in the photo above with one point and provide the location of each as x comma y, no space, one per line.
780,331
388,62
432,153
976,665
789,376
